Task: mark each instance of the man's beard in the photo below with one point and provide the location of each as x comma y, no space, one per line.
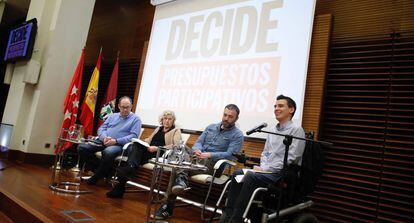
227,125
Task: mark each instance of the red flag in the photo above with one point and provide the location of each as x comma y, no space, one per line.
88,106
71,103
108,102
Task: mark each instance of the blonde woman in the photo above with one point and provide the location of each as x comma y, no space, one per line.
165,135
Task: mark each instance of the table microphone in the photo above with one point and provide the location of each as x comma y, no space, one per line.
257,128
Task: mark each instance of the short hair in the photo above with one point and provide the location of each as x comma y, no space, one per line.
124,97
233,107
291,103
165,113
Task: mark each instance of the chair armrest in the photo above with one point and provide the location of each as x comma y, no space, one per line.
126,145
223,162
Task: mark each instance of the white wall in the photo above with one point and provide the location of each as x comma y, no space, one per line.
36,110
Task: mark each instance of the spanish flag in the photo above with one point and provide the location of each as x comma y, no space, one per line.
88,106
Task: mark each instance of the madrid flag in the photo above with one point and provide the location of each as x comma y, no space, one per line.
88,106
108,102
71,103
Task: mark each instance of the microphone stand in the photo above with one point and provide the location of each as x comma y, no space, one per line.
287,141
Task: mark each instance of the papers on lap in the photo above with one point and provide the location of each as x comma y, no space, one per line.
140,142
239,178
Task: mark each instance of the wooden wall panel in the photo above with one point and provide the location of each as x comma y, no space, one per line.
140,72
119,25
317,67
369,91
368,17
369,173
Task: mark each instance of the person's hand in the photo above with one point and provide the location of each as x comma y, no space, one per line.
205,155
152,149
255,167
107,139
197,152
109,142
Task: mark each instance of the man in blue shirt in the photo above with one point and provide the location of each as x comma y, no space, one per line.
117,130
271,161
218,141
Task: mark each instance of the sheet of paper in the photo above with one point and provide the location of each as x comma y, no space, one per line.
140,142
256,171
239,178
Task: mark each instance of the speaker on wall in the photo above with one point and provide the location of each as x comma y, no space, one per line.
32,72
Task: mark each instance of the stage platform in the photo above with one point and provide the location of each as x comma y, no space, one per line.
26,197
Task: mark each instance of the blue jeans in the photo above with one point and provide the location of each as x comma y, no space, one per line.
104,166
239,193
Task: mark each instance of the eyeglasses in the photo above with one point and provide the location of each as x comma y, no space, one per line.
124,107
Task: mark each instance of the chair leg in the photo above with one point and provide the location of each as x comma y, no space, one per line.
220,198
113,179
203,218
223,192
81,172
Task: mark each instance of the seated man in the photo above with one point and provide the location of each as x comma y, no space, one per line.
271,161
165,135
218,141
117,130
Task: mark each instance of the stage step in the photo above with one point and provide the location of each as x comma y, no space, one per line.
4,218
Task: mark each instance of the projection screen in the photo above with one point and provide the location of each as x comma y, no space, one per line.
204,54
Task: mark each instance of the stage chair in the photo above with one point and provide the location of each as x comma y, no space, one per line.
118,160
221,175
121,157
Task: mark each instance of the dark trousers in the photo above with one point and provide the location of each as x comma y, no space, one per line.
239,193
138,155
104,166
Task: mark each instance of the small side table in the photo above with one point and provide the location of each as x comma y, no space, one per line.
160,164
65,186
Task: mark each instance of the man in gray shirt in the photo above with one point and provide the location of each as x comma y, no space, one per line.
271,161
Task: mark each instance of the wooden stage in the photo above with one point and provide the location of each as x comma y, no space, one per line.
25,197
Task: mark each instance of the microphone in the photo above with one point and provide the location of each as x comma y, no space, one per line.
257,128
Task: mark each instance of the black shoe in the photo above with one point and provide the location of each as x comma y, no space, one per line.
180,186
93,180
164,212
126,171
117,192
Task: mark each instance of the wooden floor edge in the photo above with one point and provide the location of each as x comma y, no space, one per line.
25,207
